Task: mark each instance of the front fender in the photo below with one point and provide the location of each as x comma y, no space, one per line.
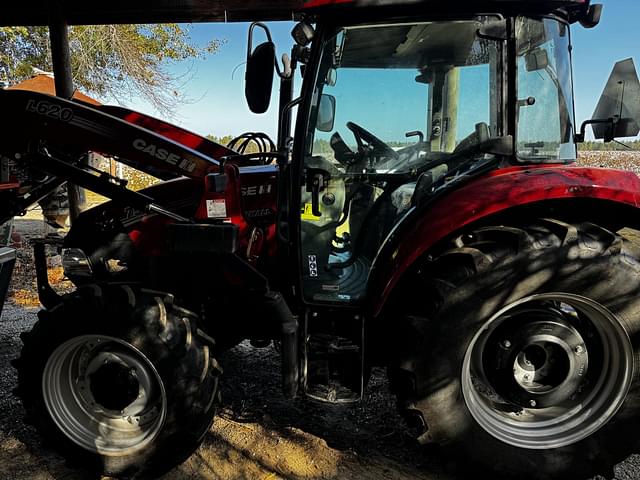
496,192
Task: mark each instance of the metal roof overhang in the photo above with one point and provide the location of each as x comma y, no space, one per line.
39,12
78,12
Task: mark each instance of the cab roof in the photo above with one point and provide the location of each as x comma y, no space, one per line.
572,9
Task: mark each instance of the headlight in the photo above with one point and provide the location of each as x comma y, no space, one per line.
75,263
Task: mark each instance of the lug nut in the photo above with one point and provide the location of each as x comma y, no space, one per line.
506,344
533,403
579,350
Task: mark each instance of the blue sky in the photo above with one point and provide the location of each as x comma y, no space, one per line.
216,87
217,91
596,50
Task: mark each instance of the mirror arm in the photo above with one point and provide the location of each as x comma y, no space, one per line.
250,36
579,137
286,62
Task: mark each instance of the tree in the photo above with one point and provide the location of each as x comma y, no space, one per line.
221,140
113,61
251,147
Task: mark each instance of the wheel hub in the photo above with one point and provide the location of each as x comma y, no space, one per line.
114,385
541,367
545,363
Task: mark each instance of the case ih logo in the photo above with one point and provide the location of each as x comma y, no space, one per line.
163,154
253,190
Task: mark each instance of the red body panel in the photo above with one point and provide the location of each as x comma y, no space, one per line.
493,193
249,201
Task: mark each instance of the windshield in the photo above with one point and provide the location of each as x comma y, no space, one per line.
545,102
418,88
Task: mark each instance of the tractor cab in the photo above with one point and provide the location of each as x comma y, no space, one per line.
402,111
402,102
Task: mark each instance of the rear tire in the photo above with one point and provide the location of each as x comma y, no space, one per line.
523,362
119,381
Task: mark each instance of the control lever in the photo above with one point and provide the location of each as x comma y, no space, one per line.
316,179
416,133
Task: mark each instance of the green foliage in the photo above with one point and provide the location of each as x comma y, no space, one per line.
221,140
137,180
110,60
251,148
321,146
24,47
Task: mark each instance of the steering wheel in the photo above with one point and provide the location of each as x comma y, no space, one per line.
379,147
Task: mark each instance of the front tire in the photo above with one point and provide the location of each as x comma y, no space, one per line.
119,380
523,362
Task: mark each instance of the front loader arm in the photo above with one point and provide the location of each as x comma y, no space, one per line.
50,136
71,126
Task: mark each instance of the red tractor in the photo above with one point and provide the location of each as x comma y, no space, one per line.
425,216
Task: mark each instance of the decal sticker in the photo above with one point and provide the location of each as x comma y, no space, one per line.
261,212
185,164
254,190
216,208
313,266
50,110
331,288
307,213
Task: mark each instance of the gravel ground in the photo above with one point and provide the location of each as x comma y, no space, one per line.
622,160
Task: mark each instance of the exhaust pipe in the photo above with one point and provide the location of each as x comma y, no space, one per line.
278,309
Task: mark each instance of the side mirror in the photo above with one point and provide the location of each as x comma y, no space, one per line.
332,77
326,113
618,111
536,60
259,72
591,17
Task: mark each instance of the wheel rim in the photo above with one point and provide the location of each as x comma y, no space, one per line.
547,371
117,420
